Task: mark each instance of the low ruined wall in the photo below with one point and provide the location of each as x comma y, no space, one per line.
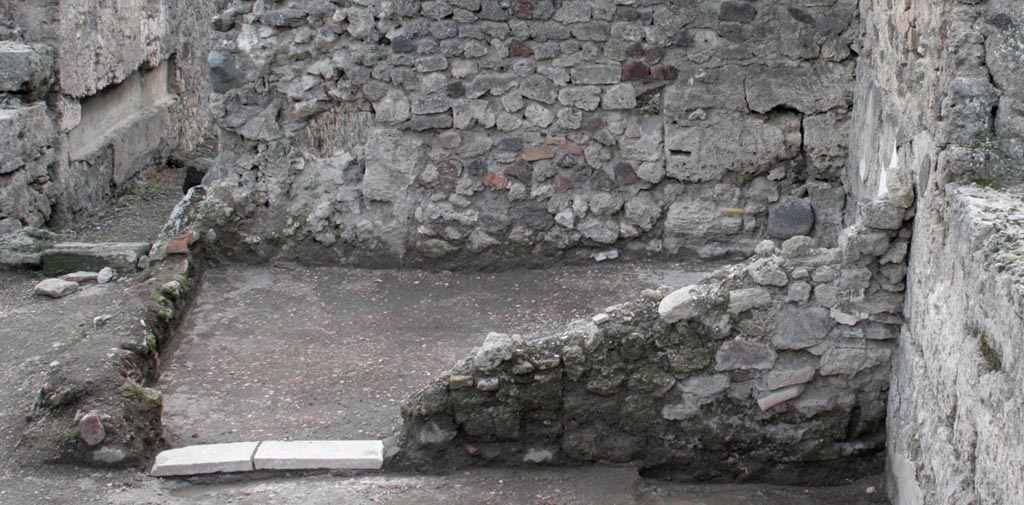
774,369
103,89
481,132
939,103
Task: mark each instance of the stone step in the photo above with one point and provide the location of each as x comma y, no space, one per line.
272,455
204,459
76,256
320,454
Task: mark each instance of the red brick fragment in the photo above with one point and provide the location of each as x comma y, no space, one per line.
495,181
635,71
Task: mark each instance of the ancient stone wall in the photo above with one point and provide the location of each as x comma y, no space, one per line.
773,369
92,92
936,104
478,132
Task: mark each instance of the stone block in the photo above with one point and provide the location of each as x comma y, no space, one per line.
687,303
55,288
807,88
25,68
801,328
767,273
595,74
205,459
742,354
25,133
393,160
790,217
788,376
742,300
619,97
705,387
320,454
75,256
881,215
799,292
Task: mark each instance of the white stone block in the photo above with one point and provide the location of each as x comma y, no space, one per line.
320,454
204,459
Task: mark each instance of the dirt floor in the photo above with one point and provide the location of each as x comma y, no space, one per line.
293,352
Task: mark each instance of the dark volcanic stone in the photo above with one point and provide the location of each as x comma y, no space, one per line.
514,144
519,49
625,174
456,89
601,182
402,44
740,12
1001,21
477,168
521,171
534,215
790,217
801,15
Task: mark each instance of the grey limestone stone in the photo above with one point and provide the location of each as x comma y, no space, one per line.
595,74
392,163
687,303
742,300
619,97
25,67
797,329
744,354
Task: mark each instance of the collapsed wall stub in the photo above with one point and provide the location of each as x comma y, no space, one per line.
773,369
479,133
92,92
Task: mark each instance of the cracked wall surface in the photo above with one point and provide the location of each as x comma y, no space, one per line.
91,93
936,108
476,132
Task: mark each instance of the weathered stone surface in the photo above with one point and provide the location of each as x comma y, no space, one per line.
26,68
705,386
74,256
789,376
742,354
801,328
767,273
320,454
497,347
687,303
881,215
392,162
619,97
91,430
742,300
205,459
55,288
595,74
